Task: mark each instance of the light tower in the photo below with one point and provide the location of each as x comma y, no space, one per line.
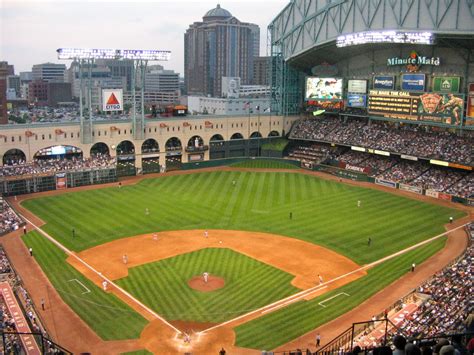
140,57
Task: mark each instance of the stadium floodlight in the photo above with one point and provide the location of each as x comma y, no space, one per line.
385,37
101,53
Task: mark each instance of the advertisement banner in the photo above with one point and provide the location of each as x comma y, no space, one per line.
414,189
386,183
323,88
356,100
384,82
409,157
357,86
350,167
112,100
434,107
470,101
61,181
446,84
307,165
328,106
431,193
413,82
443,196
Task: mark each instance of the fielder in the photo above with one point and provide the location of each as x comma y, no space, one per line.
206,234
104,285
358,203
125,259
205,276
320,279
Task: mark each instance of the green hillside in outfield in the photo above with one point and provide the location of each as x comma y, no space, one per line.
324,212
264,164
106,314
249,284
281,326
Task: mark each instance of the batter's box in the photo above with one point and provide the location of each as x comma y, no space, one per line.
330,298
82,286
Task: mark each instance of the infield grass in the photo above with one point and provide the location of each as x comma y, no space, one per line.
249,284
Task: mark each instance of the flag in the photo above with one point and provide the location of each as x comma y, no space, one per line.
163,125
186,124
113,128
257,108
58,131
29,134
247,105
267,109
208,124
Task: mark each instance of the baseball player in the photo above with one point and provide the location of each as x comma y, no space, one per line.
147,211
320,279
358,203
206,234
125,259
205,276
104,285
155,237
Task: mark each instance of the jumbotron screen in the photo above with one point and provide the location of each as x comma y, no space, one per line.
323,88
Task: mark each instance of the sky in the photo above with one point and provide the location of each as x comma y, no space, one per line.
32,30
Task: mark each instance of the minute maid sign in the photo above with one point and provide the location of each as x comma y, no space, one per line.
112,100
414,61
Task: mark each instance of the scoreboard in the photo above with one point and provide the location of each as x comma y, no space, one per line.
434,107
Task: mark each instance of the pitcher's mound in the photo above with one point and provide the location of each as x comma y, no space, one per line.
213,283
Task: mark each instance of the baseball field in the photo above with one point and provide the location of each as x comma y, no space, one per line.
269,236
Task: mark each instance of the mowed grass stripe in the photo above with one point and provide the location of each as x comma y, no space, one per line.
264,164
281,326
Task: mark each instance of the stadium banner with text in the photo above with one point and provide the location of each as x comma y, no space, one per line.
431,193
307,165
61,181
196,157
112,100
357,86
409,157
446,84
356,100
443,196
413,82
359,169
384,82
327,105
323,88
387,183
442,108
414,189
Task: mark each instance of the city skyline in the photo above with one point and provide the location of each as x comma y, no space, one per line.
24,29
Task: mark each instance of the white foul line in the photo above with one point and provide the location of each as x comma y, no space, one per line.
330,298
316,288
68,252
80,283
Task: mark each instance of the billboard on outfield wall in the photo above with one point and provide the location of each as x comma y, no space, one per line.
356,100
384,82
414,189
323,88
387,183
470,103
112,100
434,107
431,193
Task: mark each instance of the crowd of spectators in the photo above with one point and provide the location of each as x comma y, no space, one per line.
438,179
42,166
314,153
403,139
9,220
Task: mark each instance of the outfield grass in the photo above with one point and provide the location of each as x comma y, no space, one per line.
324,212
264,164
282,326
107,315
249,284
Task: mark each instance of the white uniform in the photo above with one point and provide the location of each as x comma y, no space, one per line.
206,234
125,259
104,285
358,203
320,279
205,276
